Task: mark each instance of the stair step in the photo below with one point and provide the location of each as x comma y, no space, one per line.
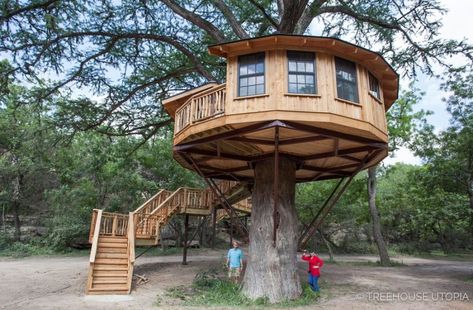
106,267
110,273
113,239
111,250
107,292
109,280
111,255
112,245
109,287
111,261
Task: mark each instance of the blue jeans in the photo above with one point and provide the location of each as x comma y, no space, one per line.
313,282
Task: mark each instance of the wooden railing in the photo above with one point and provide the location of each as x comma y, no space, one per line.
114,224
151,215
243,206
204,105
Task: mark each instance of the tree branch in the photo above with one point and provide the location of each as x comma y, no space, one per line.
308,15
265,14
203,24
230,17
31,7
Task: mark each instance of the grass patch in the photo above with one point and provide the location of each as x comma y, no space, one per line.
210,289
19,250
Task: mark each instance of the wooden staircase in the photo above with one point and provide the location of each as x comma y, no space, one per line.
113,236
113,253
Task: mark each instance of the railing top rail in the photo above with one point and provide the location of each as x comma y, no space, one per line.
114,214
150,199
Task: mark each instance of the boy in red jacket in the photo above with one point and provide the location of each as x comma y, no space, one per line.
315,263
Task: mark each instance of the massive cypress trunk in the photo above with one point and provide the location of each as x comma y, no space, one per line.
272,270
377,235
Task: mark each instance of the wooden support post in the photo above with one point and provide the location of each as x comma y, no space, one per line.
276,185
186,232
214,226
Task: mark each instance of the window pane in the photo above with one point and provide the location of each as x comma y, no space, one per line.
260,89
292,78
243,91
251,69
309,67
300,66
301,78
347,85
259,67
292,66
260,79
292,88
251,90
243,70
243,82
309,79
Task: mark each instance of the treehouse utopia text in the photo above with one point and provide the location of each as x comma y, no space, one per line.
414,296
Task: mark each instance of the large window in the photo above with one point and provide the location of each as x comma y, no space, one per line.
374,86
301,70
251,75
347,85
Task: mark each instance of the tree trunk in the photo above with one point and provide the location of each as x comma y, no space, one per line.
377,234
272,268
16,190
329,248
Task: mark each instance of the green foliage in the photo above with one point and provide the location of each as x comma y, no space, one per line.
209,289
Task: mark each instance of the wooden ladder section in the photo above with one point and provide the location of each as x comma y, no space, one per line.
113,236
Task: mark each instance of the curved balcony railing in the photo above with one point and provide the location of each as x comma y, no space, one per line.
205,105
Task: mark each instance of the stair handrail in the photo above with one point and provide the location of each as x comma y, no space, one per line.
131,236
150,200
95,239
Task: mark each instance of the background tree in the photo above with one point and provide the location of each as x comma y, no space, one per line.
449,154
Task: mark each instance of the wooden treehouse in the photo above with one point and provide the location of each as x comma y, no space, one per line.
320,102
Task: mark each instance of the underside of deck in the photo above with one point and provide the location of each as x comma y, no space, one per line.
230,152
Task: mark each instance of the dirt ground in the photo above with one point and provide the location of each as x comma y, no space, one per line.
59,283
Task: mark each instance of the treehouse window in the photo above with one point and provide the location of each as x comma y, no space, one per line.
374,86
347,84
251,75
301,71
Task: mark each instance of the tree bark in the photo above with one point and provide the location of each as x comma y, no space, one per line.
272,272
377,234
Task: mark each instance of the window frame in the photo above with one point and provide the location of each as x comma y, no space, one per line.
313,73
239,76
375,94
357,83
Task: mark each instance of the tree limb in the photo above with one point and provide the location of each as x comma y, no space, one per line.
230,17
203,24
265,14
308,15
31,7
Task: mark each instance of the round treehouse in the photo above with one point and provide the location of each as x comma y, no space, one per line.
293,109
318,101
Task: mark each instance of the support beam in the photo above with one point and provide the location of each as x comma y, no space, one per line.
186,232
214,226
